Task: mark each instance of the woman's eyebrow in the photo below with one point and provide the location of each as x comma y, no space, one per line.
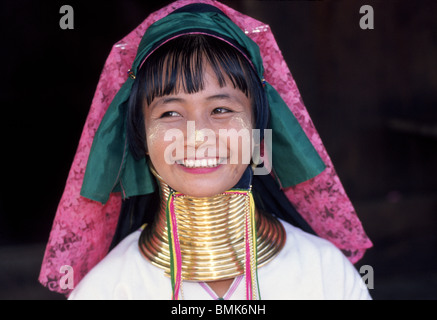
231,98
165,100
222,96
170,100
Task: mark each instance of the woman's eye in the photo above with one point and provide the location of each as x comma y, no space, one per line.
170,114
220,110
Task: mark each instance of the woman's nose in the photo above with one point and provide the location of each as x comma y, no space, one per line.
199,119
196,134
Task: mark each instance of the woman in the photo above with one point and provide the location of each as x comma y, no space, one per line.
211,228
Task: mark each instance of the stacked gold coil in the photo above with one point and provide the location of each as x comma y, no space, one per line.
211,236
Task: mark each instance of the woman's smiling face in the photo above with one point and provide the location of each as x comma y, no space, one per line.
213,157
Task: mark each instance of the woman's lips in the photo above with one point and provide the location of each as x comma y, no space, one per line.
200,166
201,163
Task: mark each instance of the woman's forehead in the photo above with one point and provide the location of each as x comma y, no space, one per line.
211,92
209,86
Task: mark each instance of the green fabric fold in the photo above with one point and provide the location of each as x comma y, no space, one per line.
294,159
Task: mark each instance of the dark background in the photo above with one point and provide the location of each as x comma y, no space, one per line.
372,95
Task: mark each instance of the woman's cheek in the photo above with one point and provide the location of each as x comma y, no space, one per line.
235,140
166,144
243,125
155,134
242,121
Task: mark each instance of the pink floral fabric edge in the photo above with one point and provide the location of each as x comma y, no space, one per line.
322,201
83,229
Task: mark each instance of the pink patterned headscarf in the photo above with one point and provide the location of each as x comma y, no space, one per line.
83,229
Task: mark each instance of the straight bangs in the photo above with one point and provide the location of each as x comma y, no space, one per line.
179,66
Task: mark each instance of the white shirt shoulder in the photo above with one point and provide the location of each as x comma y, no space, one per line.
124,274
308,267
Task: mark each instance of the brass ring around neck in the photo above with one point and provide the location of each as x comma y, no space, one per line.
211,236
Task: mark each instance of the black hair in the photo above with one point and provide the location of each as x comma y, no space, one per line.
178,66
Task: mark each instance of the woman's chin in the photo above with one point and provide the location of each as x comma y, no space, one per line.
203,182
201,191
202,186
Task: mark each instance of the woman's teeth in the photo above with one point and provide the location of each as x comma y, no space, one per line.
200,163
